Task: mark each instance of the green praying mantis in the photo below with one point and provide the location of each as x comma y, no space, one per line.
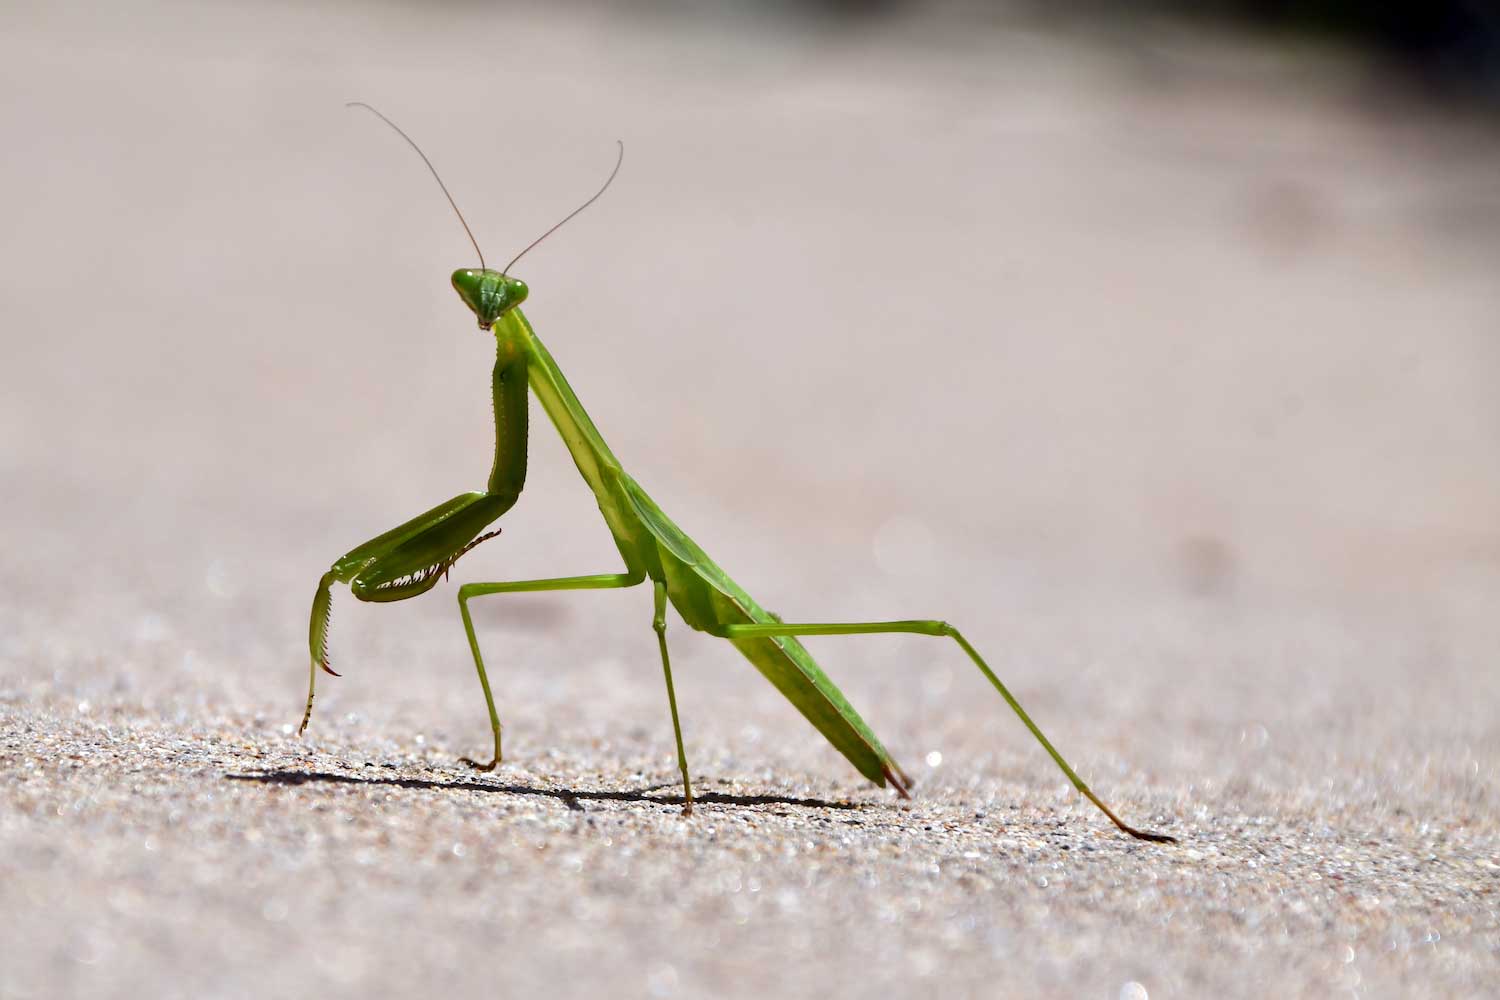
408,560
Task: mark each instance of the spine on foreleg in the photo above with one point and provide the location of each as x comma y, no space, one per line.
322,616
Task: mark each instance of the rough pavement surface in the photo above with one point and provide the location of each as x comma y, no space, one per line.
1163,365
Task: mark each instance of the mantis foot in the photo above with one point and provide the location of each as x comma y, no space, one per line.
478,766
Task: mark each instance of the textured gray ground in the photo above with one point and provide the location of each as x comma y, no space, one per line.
1166,369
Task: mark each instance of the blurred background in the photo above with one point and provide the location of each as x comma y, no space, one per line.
944,295
1158,351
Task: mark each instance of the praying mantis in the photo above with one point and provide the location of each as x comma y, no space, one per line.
408,560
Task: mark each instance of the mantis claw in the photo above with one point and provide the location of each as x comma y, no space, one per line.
484,537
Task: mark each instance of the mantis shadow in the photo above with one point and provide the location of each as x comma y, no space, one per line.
568,797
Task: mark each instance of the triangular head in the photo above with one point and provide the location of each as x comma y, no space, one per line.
489,293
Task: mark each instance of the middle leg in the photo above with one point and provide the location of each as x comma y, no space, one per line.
659,623
599,581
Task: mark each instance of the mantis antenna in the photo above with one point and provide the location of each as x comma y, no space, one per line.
462,221
608,181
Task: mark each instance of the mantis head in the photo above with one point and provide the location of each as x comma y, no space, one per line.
489,293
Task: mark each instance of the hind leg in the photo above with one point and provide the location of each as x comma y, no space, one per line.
941,629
